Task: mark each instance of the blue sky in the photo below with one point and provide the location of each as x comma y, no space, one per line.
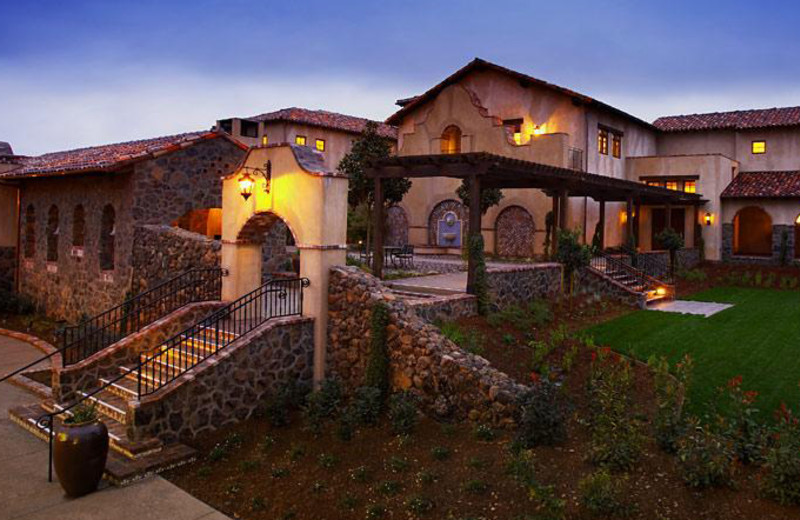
80,73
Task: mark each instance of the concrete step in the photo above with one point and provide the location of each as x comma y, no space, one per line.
124,388
109,405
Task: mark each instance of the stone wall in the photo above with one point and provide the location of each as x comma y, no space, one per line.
230,386
448,381
161,252
687,258
775,259
106,363
595,284
445,308
8,268
519,284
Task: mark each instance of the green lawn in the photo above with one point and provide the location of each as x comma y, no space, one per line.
758,338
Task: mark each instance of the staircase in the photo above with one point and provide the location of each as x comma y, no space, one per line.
630,278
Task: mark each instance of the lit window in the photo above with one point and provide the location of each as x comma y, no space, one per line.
451,140
300,140
759,147
602,141
514,127
655,183
690,186
264,140
672,185
320,144
616,145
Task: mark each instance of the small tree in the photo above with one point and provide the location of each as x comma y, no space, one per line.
489,198
572,255
597,241
368,147
475,249
784,251
549,223
377,373
672,242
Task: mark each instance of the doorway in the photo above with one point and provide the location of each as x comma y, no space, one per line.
659,222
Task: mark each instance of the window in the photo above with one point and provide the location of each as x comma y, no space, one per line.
226,125
672,185
78,226
616,145
451,140
320,145
759,147
107,238
300,140
249,129
690,186
514,127
264,140
655,183
30,231
602,141
52,234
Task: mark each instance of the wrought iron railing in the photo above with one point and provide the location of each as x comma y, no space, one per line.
609,265
93,335
276,298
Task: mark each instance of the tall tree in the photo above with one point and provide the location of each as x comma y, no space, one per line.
489,198
369,146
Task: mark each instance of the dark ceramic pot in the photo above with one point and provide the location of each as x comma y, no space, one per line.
79,456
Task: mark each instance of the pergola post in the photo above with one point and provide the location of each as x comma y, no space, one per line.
377,254
629,220
556,223
602,224
563,207
474,228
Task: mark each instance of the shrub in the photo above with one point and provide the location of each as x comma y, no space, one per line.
389,487
669,390
367,404
327,460
738,418
288,397
440,453
426,478
360,474
476,487
376,511
419,505
347,423
541,416
15,303
693,275
323,404
377,372
617,438
572,255
484,432
480,283
568,359
540,351
705,457
403,413
398,464
603,495
782,462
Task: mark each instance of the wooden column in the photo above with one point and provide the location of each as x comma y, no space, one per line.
602,224
563,207
556,220
474,228
377,226
637,221
628,220
668,217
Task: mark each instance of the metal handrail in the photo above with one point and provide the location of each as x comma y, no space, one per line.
80,354
601,260
278,289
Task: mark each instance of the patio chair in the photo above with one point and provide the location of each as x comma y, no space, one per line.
406,256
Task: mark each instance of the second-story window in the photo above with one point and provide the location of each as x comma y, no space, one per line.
759,147
451,140
320,145
514,127
300,140
616,145
602,141
249,129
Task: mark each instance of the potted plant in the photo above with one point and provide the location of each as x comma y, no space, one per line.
80,449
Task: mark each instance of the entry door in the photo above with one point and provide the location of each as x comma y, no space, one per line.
658,221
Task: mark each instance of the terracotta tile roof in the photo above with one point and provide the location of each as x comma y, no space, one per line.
764,185
736,120
411,103
325,119
107,157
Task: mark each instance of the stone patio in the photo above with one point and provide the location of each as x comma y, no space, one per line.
705,309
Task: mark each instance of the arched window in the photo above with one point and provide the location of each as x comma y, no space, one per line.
30,231
752,232
451,140
78,226
107,232
52,234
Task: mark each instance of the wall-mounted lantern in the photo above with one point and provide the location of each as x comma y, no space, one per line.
538,129
247,182
707,219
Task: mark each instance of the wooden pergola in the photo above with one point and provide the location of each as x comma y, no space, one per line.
487,171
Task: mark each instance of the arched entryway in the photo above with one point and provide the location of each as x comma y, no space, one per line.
752,232
447,223
275,240
396,226
514,233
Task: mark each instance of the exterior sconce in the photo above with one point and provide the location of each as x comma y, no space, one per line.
707,219
661,291
538,130
247,182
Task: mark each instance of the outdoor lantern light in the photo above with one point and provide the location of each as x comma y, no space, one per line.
538,130
661,291
247,182
708,219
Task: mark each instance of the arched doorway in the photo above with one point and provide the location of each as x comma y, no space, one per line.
396,226
447,223
514,233
752,232
274,238
451,140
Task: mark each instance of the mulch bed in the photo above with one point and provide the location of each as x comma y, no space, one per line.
718,274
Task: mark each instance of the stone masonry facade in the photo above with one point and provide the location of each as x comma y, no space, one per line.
230,386
156,191
449,382
8,263
778,232
520,284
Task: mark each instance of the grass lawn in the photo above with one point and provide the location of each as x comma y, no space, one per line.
758,338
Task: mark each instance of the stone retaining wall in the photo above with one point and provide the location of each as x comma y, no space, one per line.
230,386
445,308
591,282
688,258
8,268
448,381
519,284
161,252
106,363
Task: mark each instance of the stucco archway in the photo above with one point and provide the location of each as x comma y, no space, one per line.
752,232
311,201
514,233
447,232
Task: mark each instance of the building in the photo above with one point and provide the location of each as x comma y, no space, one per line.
484,107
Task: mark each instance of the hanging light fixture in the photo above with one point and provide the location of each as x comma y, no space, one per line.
247,182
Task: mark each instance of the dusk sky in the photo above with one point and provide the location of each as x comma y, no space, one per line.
81,73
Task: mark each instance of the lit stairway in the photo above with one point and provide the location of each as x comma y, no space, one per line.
632,279
129,459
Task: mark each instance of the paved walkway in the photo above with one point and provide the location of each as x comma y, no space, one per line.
26,494
444,283
690,307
